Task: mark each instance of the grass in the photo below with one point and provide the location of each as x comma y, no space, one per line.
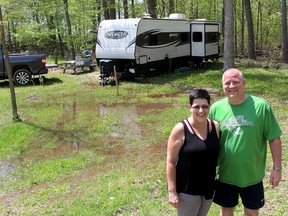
83,150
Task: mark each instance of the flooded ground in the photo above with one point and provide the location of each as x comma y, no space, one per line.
121,134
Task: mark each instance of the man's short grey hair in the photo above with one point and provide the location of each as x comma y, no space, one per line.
233,69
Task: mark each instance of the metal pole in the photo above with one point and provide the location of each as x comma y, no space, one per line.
116,80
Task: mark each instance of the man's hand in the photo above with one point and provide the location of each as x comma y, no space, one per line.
275,178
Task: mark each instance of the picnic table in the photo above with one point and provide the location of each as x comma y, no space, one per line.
51,66
79,62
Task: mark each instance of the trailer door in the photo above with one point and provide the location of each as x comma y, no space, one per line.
211,39
197,39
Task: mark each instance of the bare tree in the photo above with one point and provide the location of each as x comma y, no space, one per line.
284,32
229,32
251,41
8,69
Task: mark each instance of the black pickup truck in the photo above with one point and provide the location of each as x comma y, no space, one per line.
24,67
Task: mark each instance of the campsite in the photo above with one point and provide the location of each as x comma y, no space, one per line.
71,144
83,150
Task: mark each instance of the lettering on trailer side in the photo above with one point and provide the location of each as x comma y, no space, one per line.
117,34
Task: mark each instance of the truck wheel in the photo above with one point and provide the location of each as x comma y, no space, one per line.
22,77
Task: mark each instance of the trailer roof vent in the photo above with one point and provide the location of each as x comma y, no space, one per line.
147,15
177,16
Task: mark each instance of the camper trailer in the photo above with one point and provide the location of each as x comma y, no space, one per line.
137,45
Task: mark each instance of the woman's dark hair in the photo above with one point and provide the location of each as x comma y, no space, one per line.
199,94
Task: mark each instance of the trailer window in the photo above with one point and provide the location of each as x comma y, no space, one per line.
163,38
145,41
184,37
211,37
153,40
197,36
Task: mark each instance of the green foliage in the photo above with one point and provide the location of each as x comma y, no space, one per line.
40,25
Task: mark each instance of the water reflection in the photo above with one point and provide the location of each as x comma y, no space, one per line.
128,117
6,169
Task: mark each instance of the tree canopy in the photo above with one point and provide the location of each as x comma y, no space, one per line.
42,25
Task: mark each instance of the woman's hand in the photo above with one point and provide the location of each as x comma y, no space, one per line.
174,199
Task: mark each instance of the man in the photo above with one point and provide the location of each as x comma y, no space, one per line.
246,123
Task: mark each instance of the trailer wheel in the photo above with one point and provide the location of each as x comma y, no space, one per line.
22,77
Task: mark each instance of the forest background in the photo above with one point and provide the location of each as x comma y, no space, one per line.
67,26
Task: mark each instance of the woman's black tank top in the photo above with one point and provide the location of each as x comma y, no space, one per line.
197,161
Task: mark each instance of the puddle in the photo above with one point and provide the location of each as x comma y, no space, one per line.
146,107
31,98
69,114
61,149
173,94
128,117
6,169
124,131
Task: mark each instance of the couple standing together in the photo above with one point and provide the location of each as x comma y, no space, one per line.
235,141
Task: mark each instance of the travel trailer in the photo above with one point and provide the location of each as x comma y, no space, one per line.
137,45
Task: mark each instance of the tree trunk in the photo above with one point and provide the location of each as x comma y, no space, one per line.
196,11
152,8
105,9
112,9
162,9
133,9
125,7
229,32
65,2
9,41
235,29
251,43
284,31
53,37
242,27
258,25
98,7
8,69
171,7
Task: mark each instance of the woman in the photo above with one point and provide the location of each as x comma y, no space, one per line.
192,155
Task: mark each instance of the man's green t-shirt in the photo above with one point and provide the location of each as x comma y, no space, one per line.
245,130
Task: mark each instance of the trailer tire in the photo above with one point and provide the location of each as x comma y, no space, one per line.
22,77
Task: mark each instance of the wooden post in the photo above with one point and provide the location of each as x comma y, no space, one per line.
116,80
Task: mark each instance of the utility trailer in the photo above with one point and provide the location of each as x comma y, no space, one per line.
137,45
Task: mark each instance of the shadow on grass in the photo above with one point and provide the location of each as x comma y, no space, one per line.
270,84
34,82
160,76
